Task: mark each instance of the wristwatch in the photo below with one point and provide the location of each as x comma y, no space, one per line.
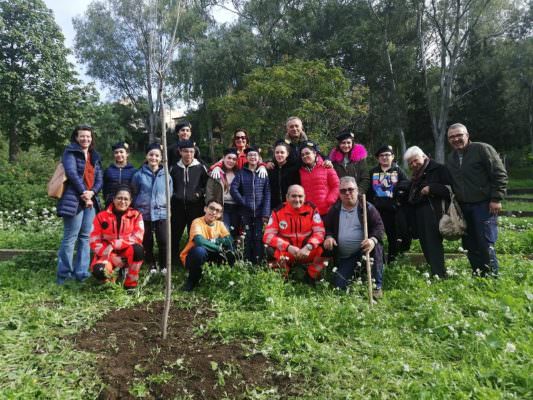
309,246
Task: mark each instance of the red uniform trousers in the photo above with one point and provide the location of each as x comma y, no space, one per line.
314,262
130,258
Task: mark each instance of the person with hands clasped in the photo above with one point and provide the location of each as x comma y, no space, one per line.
209,240
294,234
116,240
79,203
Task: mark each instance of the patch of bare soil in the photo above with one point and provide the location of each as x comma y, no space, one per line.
134,361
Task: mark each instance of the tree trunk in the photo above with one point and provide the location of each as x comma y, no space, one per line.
403,146
14,145
530,114
209,131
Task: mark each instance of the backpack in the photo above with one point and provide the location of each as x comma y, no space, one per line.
452,224
56,184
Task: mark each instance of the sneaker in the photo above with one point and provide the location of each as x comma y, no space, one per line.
377,294
163,272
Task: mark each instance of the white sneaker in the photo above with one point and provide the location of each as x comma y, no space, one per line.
163,271
153,271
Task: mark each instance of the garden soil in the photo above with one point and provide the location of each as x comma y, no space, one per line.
134,361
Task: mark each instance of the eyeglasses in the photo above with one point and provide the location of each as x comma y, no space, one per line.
457,136
214,209
347,190
240,137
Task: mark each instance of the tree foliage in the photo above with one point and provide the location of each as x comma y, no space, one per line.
321,95
40,96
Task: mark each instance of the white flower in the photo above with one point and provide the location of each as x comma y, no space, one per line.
231,283
425,274
428,282
334,269
480,335
510,348
406,368
482,314
326,263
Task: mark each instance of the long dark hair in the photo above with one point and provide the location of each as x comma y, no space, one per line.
74,135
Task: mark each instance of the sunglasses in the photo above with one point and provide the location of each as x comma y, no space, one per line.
347,190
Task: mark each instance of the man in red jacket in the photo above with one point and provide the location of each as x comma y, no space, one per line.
295,231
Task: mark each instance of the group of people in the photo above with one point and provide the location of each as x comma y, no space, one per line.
301,208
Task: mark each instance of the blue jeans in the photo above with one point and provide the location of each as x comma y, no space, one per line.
76,229
347,268
481,235
198,256
232,218
253,243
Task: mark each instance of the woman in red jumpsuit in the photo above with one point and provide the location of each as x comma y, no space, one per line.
116,240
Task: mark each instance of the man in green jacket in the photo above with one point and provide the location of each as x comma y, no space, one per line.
479,182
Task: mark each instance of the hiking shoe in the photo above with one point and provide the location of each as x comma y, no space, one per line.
377,294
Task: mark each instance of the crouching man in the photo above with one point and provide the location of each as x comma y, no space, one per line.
295,233
345,237
116,240
209,241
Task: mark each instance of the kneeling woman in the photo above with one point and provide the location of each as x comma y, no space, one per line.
116,240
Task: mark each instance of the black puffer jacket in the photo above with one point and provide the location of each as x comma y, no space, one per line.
280,178
437,177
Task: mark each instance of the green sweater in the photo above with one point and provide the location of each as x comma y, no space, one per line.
480,176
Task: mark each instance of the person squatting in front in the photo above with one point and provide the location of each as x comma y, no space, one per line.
294,234
345,237
209,241
116,240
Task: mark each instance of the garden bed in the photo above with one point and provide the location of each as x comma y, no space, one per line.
134,361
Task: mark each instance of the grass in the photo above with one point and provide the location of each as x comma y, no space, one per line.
461,338
517,205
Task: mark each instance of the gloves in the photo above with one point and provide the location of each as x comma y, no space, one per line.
216,173
262,172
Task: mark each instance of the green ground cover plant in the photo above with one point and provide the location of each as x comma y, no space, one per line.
465,337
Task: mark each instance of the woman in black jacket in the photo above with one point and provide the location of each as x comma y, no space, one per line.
426,192
284,174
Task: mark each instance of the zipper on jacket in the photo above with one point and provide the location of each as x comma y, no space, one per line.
253,189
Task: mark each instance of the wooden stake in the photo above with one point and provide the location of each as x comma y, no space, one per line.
367,253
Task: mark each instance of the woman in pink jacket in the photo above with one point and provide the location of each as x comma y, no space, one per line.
321,184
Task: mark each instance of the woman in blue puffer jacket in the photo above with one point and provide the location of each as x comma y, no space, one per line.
148,186
79,204
120,172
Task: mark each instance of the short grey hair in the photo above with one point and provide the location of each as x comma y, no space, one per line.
292,187
413,151
292,118
348,179
457,126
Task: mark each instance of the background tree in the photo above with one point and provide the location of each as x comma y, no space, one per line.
322,96
40,97
445,29
115,40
